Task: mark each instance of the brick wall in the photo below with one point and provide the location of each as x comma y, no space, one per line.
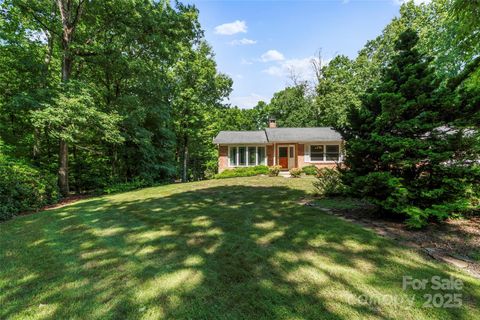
300,155
270,155
222,158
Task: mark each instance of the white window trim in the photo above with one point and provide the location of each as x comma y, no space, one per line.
246,155
340,153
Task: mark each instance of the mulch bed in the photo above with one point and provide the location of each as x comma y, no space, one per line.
68,200
453,241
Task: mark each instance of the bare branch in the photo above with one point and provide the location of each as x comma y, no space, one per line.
31,11
317,65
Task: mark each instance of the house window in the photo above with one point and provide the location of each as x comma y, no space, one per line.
292,153
233,156
329,152
246,156
316,152
332,152
252,156
261,155
242,156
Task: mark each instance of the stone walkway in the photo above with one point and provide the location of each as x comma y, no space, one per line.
284,174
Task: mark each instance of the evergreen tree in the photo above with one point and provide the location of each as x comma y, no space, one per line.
403,151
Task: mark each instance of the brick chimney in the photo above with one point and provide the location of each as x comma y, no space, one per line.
272,123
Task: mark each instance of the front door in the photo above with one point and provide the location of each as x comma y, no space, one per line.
283,157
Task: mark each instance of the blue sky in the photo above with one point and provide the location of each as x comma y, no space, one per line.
258,43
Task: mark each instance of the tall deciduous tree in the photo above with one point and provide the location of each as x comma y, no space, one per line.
337,90
70,15
199,92
292,107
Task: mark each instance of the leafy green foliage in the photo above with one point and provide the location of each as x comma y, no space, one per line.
24,188
292,107
310,170
242,172
199,92
73,116
328,183
142,88
337,90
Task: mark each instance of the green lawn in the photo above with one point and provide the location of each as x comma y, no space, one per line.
227,249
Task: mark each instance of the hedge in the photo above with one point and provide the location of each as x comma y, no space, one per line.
242,172
24,188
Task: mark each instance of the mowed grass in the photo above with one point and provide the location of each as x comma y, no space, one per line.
240,248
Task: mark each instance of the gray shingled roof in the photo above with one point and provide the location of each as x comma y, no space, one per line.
302,134
278,135
226,137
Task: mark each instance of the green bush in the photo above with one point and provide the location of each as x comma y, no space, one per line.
295,172
242,172
392,194
24,188
273,171
329,183
310,170
211,168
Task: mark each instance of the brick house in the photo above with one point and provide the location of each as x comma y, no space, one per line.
287,147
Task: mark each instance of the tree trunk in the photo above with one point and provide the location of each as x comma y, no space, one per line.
36,143
70,16
63,168
76,170
185,159
114,162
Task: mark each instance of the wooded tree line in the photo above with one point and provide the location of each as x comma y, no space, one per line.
102,92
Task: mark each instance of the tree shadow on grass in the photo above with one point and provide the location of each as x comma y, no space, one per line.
229,252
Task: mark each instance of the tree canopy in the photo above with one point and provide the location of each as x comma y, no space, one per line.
111,91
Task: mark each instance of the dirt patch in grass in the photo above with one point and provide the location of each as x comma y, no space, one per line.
455,241
63,202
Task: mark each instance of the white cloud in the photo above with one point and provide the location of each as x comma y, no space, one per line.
231,28
245,61
300,67
247,102
272,55
275,71
242,42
